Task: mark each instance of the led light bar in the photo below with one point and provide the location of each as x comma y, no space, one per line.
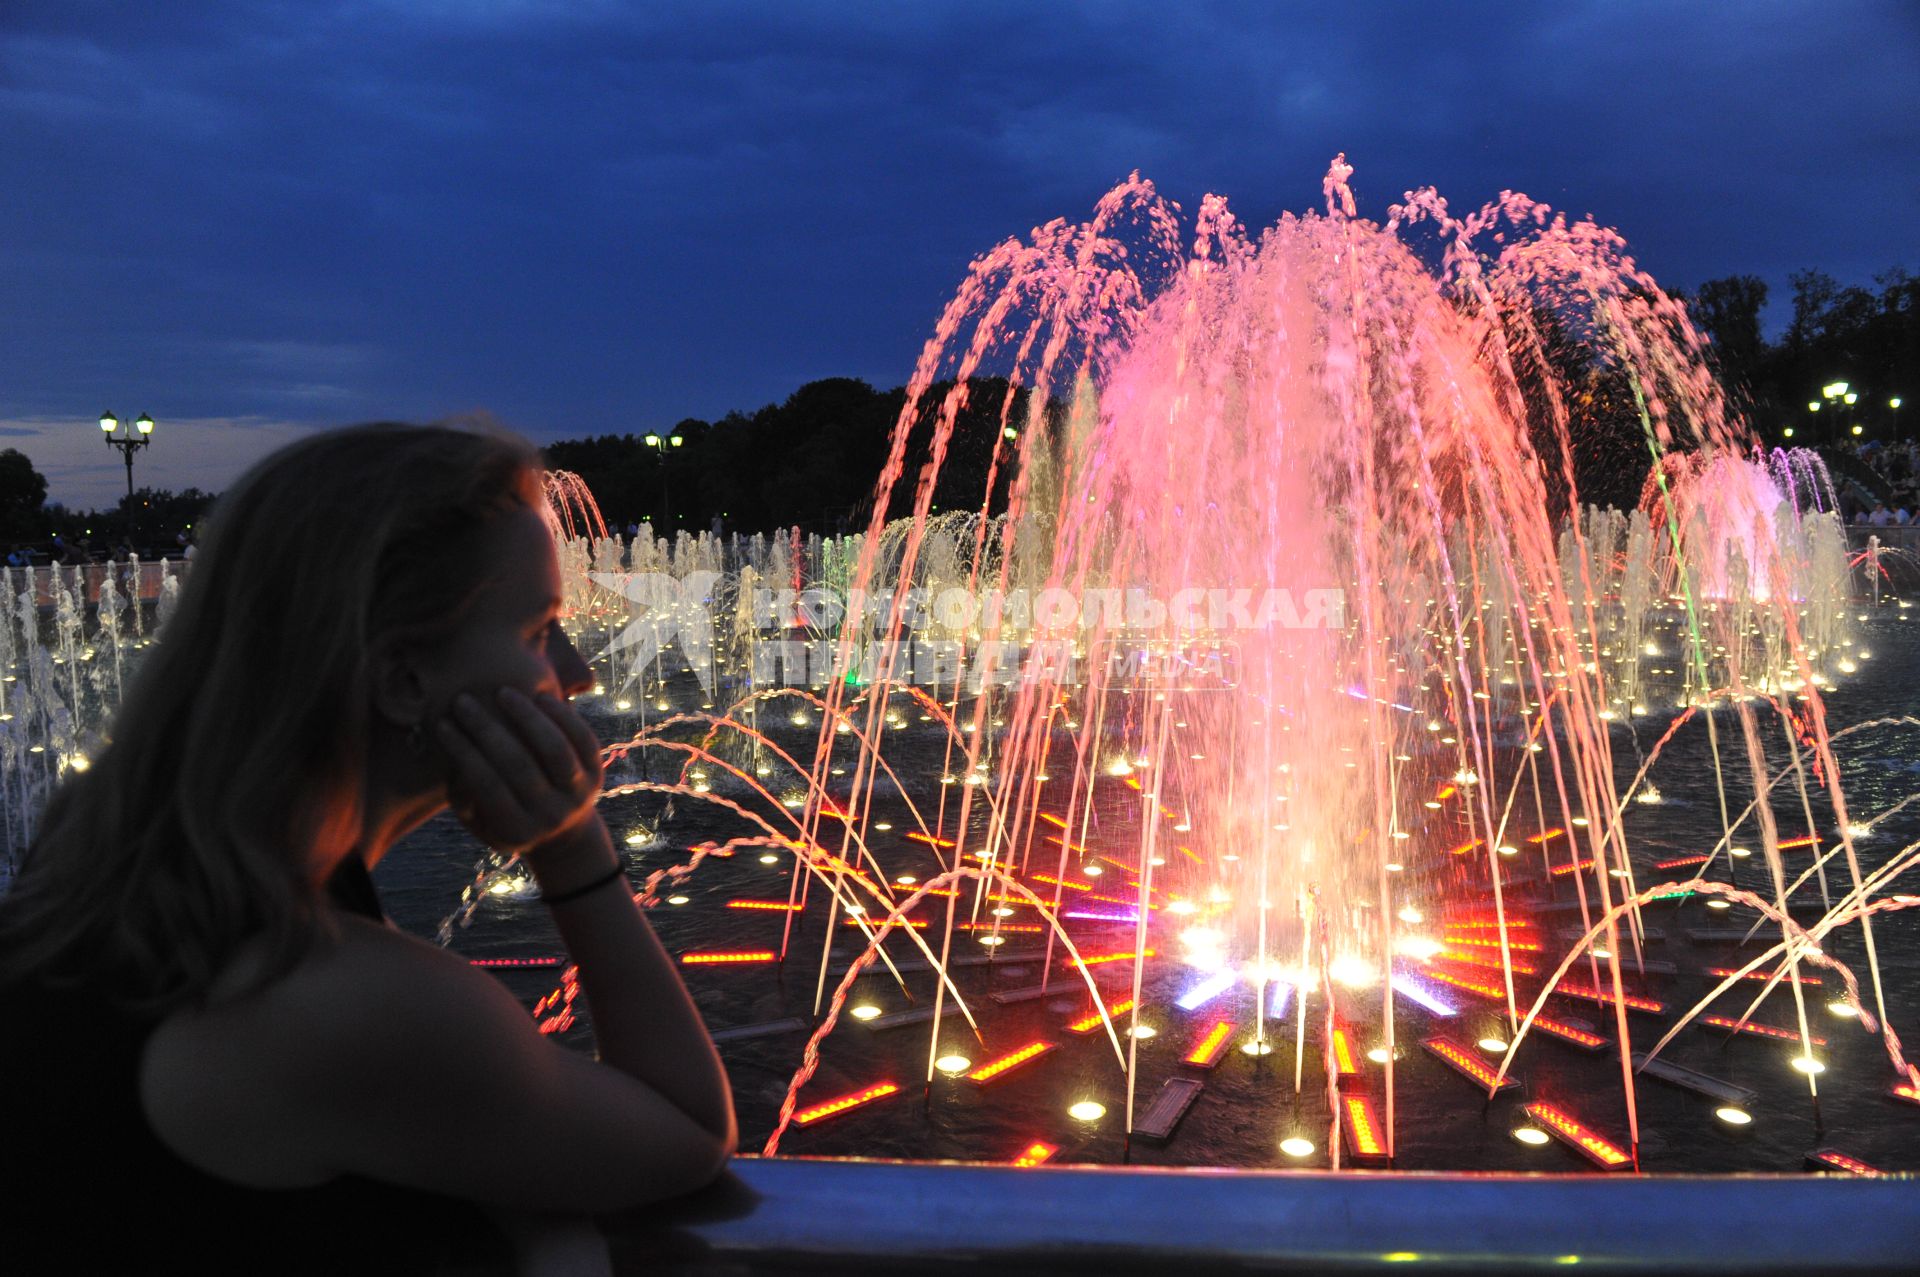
1904,1091
1681,862
1828,1159
1210,1046
1568,1129
1056,821
1561,871
1809,841
513,964
1693,1080
1514,923
1092,915
1487,960
1052,881
997,926
1759,1030
930,840
1465,847
1632,1001
994,1069
1035,1153
1167,1108
1207,990
820,1112
1467,1064
1361,1127
1412,990
780,906
1724,972
1482,987
727,957
1088,1023
1570,1032
1547,836
1097,959
918,924
1514,943
1345,1066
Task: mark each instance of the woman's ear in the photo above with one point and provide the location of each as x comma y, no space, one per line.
400,696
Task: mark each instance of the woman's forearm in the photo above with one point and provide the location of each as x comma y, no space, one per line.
643,1018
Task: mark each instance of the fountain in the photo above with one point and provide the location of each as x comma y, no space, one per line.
1271,783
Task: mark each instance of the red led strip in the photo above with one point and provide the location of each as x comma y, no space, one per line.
1035,1153
930,840
1485,924
1681,862
1548,836
1471,985
918,924
1561,871
1486,960
808,1116
1521,946
1207,1049
1759,1030
779,905
1809,841
1602,1152
1362,1129
1904,1091
1120,900
995,1068
1001,926
1088,1023
1560,1029
1343,1062
1724,972
738,955
1633,1001
1050,880
1841,1162
1053,820
1465,1062
1099,958
1466,847
511,963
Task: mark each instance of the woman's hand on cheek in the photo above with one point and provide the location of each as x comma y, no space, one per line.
521,769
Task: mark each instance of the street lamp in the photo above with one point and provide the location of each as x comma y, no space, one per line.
660,446
138,436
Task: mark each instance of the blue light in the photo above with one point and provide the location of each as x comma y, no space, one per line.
1281,999
1413,990
1207,990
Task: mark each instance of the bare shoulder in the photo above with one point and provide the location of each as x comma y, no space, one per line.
384,1056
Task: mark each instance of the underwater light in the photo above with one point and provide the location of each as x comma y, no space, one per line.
808,1116
1036,1153
1011,1060
1087,1111
1294,1146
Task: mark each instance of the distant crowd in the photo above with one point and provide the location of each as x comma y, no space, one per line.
59,550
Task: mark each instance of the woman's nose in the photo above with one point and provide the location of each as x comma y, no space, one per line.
572,672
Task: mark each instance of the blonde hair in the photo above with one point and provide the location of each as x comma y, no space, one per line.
242,742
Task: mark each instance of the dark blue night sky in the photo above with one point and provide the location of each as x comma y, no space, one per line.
585,216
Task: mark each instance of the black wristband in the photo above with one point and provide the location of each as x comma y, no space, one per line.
565,897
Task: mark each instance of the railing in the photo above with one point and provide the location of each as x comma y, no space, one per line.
796,1216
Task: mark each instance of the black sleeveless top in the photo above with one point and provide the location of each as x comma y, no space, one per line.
87,1187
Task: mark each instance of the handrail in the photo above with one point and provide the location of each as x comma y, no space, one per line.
790,1215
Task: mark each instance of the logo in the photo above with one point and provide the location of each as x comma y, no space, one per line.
677,611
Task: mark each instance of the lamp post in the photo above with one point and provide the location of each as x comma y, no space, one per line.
660,446
138,436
